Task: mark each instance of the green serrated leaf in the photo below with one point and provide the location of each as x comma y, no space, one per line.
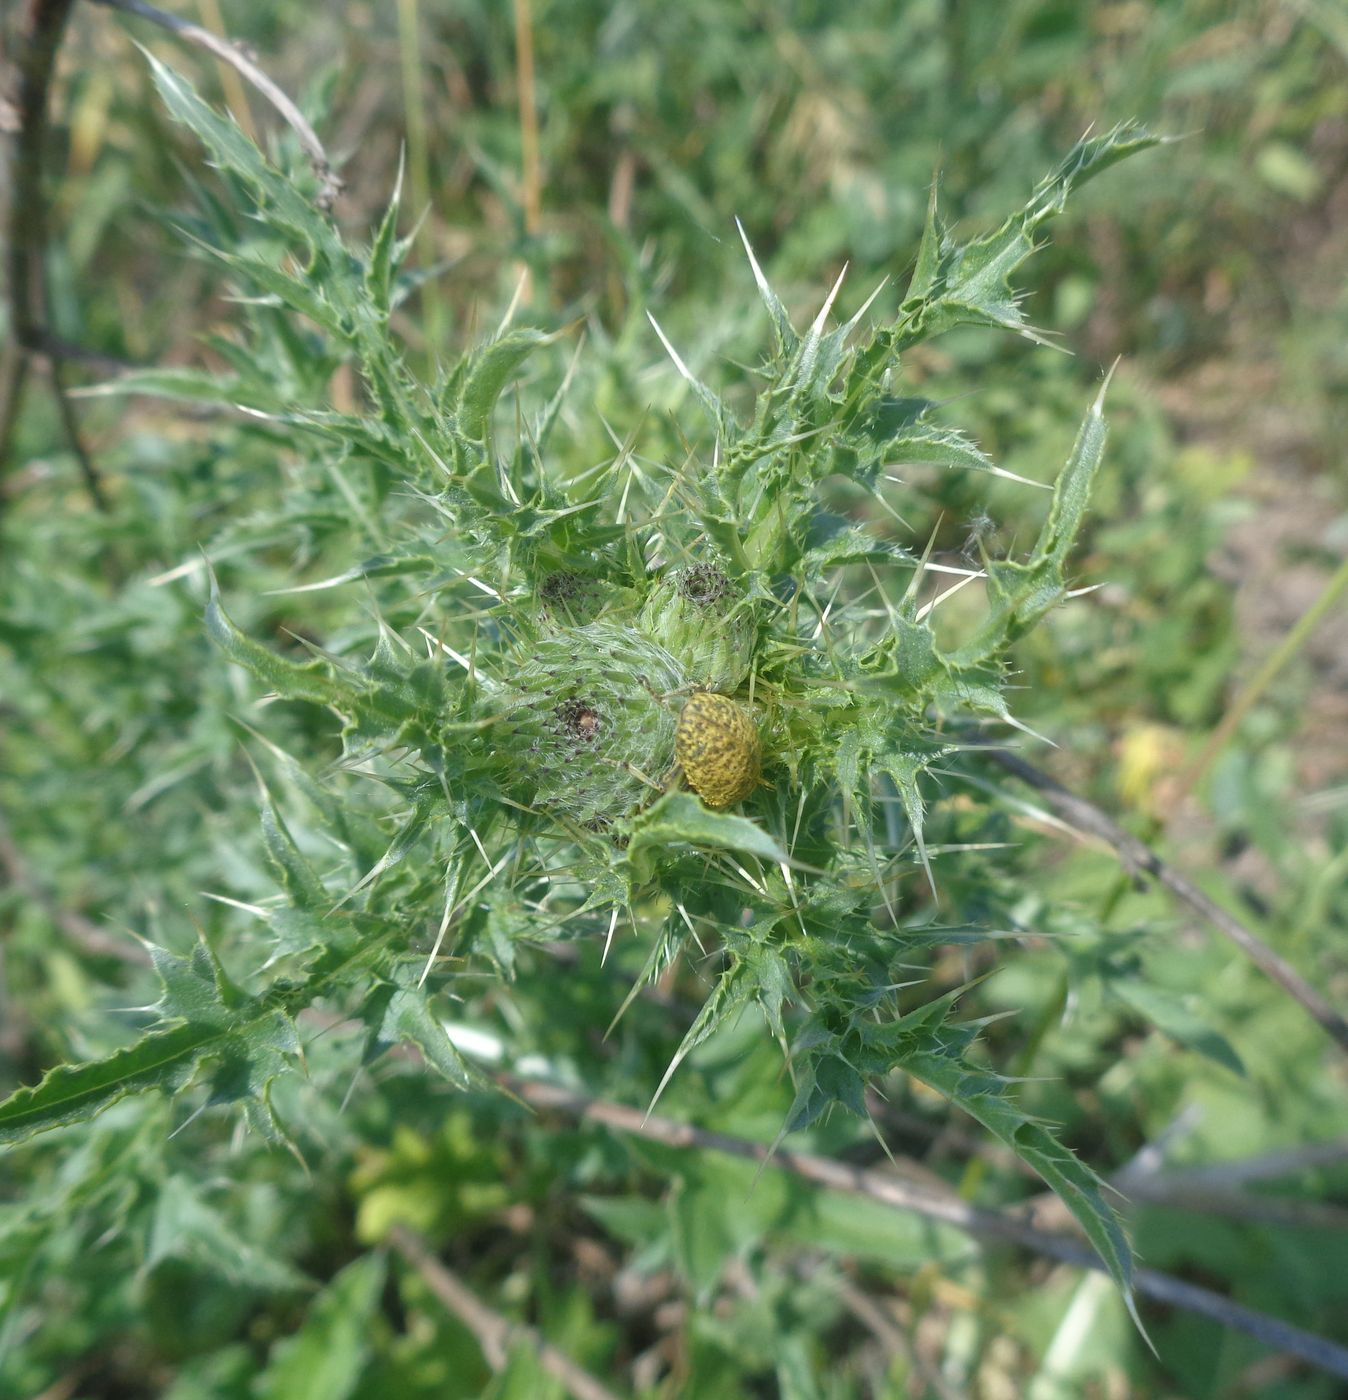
969,283
191,990
324,1359
734,989
929,445
187,385
231,150
306,890
983,1096
486,373
1170,1015
927,263
308,680
298,293
1022,594
823,1080
848,544
385,250
166,1060
680,818
406,1016
904,770
782,330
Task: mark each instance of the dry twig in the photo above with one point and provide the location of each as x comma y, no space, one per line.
23,118
495,1334
941,1206
531,177
1139,860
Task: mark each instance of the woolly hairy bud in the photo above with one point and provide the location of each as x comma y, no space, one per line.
587,732
703,618
566,598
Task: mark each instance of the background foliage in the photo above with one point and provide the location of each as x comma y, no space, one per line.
172,1246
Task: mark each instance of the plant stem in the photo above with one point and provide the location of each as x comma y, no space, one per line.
27,92
1254,690
418,156
528,104
495,1334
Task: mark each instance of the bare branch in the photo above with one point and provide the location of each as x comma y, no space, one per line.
494,1333
936,1205
226,52
1266,1166
74,437
54,347
1175,1193
1139,859
13,378
33,50
24,120
1172,1192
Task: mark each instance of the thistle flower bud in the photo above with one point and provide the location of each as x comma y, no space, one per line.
587,732
567,598
700,616
716,743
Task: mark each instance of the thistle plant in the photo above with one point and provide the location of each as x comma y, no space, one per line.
669,693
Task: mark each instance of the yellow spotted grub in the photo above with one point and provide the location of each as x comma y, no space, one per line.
716,745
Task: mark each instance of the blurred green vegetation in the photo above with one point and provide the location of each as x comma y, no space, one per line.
208,1263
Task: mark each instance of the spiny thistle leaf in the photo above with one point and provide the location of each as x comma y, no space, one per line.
1021,594
309,680
781,323
305,889
232,151
982,1095
969,283
734,990
398,1014
300,294
485,374
834,1067
195,988
190,386
680,818
257,1040
386,252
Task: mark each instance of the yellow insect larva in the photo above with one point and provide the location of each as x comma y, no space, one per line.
716,744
